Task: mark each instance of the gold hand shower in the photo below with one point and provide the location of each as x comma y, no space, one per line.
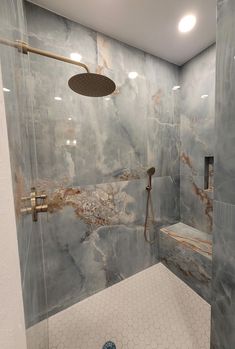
150,173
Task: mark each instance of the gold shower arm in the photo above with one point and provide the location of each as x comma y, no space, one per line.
25,48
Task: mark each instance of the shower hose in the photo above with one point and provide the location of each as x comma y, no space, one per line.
149,209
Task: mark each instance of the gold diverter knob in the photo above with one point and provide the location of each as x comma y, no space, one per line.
35,207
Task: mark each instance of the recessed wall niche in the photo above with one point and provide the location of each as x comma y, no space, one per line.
209,173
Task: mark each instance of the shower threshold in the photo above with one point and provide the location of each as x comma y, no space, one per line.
153,309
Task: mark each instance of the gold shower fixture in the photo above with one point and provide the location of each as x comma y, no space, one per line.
35,208
87,84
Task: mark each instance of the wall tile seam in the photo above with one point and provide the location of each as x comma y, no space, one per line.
223,203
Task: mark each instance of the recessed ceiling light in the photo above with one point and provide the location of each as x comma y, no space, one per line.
175,88
6,89
74,141
107,98
187,23
204,96
69,118
76,56
68,142
58,98
132,75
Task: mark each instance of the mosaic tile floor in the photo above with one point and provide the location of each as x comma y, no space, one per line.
153,309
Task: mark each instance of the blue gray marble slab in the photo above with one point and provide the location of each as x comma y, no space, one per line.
92,157
197,118
20,121
223,291
116,139
187,252
94,236
223,282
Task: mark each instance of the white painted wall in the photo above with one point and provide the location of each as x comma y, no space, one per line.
12,327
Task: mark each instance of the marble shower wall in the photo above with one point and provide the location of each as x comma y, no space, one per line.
197,139
95,236
15,70
116,139
93,155
223,296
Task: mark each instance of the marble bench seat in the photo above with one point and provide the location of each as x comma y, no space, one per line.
187,252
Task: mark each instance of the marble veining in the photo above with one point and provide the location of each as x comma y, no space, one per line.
92,157
190,237
223,304
116,139
94,236
187,252
223,296
197,139
20,125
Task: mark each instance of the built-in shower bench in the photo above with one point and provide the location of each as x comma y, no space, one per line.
187,252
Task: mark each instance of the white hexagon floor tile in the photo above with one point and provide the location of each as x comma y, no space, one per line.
152,309
37,336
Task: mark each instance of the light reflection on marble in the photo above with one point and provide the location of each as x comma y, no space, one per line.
96,187
116,139
197,138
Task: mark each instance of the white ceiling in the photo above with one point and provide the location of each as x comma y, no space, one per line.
150,25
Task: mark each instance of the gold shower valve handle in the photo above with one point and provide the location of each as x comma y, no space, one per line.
25,198
41,208
35,208
42,196
26,210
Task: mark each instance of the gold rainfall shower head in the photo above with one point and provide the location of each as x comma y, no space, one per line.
93,85
86,84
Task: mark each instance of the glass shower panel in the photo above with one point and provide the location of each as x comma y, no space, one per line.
83,148
20,123
93,154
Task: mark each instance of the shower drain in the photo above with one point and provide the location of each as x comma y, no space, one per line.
109,345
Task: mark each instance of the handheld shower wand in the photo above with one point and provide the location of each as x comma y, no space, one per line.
150,173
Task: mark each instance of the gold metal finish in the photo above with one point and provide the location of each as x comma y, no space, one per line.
25,48
92,85
150,173
34,208
86,84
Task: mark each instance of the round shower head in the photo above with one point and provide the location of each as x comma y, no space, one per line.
151,171
92,85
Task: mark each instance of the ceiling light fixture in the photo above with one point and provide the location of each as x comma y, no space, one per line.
58,98
69,118
132,75
187,23
107,98
76,56
176,88
204,96
6,89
